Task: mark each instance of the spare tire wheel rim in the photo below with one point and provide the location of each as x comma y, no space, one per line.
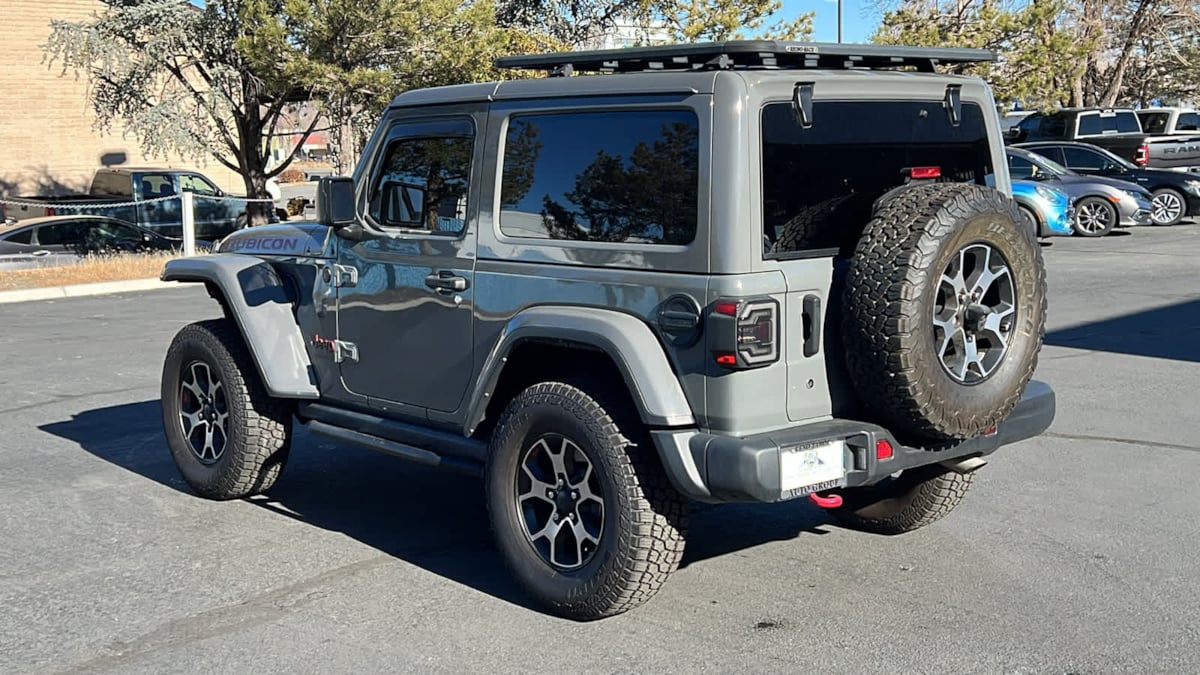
560,502
973,313
203,412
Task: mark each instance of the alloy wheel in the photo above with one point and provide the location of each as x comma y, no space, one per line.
203,412
560,502
1168,207
1094,217
973,314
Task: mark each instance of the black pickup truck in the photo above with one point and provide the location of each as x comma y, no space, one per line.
1117,130
134,193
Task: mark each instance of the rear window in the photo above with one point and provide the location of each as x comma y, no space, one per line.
820,184
1154,123
607,176
1092,124
23,237
111,184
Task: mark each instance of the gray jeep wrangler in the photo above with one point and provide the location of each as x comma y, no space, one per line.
727,272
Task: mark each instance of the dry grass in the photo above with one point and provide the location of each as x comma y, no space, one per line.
89,270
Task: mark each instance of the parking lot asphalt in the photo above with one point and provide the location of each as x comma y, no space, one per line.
1074,553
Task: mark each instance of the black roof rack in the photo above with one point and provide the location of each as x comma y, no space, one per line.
761,54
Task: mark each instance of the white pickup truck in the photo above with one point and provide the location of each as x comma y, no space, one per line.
1170,121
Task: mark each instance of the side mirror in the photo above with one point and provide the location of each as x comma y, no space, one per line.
335,202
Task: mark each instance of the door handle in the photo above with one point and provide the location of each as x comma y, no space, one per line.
812,327
446,281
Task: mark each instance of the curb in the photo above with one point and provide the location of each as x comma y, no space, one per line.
82,290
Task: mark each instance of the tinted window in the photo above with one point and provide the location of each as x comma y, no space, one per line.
1154,123
111,184
1126,123
423,180
60,234
1019,167
422,184
1044,126
24,237
627,176
1090,125
1082,158
820,184
115,230
1186,122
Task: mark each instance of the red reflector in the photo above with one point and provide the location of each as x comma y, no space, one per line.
990,432
883,449
726,307
727,359
922,172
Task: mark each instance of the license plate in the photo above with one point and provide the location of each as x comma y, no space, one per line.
812,468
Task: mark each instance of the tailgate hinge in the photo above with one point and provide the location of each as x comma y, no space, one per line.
953,103
802,103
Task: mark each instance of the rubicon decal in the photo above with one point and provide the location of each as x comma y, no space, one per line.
262,244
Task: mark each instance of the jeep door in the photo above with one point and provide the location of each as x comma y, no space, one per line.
407,315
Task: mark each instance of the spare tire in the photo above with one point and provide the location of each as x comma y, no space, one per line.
945,306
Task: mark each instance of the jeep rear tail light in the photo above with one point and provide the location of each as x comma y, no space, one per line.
745,333
925,172
1143,155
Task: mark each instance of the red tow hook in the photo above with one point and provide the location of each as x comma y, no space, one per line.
830,502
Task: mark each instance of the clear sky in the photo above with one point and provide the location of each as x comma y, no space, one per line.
859,18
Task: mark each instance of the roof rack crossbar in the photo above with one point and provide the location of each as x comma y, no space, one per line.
747,54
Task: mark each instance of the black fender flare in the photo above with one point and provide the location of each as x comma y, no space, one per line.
626,339
256,299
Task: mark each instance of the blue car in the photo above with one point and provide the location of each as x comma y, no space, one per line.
1047,209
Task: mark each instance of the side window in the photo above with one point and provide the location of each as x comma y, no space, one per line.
628,176
1090,125
119,231
60,234
192,183
423,180
1185,122
1081,158
1019,167
25,237
156,185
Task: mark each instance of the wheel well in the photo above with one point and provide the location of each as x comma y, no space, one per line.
217,294
532,361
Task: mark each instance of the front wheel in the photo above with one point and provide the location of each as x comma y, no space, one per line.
905,502
1095,217
582,512
1169,207
228,438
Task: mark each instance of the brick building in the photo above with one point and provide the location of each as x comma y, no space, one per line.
48,142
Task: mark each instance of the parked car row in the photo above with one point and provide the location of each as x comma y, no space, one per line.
59,240
1117,167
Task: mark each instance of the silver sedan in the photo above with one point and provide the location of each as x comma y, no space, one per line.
1101,204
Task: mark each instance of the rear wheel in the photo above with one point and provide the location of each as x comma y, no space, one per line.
1169,207
583,514
905,502
1095,217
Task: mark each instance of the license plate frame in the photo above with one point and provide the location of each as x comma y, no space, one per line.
812,467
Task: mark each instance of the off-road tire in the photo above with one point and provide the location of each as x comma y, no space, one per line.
808,228
259,426
645,518
889,299
912,500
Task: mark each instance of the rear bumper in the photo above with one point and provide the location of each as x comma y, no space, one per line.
715,468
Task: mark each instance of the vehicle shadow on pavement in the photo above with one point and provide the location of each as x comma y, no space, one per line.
1171,332
430,518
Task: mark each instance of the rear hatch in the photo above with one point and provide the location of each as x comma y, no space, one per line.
819,186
